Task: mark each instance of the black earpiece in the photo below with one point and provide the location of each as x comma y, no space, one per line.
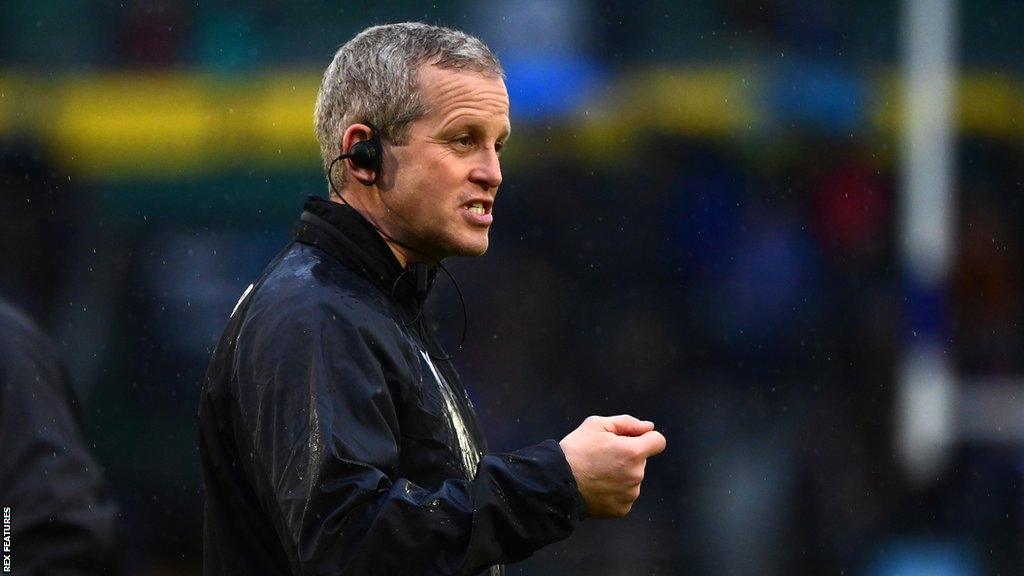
366,154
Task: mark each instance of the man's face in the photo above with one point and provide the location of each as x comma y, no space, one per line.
443,180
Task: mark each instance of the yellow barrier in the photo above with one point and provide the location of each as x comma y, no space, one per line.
165,125
187,124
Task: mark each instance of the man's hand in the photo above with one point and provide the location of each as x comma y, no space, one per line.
607,456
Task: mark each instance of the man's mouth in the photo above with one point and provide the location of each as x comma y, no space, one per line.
479,207
479,211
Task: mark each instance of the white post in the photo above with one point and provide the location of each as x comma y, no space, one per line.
927,388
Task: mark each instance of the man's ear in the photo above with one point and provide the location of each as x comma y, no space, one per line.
353,135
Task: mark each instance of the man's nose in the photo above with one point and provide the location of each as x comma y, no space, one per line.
488,173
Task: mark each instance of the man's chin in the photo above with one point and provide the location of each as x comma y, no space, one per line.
470,249
472,252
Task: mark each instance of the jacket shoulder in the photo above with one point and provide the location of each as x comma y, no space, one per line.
305,283
26,354
19,332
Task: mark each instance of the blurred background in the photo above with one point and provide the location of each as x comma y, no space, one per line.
789,232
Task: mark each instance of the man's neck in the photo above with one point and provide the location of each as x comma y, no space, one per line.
403,255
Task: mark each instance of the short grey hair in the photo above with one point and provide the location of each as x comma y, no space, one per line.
374,78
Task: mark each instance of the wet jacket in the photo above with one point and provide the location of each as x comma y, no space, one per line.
334,441
62,519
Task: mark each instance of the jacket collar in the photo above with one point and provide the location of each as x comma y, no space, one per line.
346,235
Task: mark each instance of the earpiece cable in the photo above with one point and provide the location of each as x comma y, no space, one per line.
420,299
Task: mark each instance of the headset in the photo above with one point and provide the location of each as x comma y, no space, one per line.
368,154
365,154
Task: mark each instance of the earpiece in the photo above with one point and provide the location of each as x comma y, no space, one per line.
366,154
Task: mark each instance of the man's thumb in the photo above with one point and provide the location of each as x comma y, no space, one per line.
653,442
626,425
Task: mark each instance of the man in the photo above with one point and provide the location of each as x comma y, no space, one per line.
336,437
52,495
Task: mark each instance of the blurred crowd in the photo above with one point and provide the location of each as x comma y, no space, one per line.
746,295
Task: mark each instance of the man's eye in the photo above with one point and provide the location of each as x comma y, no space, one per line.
499,146
464,141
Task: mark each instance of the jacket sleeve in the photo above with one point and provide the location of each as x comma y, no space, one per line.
324,437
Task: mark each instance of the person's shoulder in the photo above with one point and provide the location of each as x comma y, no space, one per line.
30,367
20,336
305,284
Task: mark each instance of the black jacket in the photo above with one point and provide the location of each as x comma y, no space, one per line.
332,442
62,518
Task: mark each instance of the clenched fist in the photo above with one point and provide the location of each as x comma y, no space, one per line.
607,456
